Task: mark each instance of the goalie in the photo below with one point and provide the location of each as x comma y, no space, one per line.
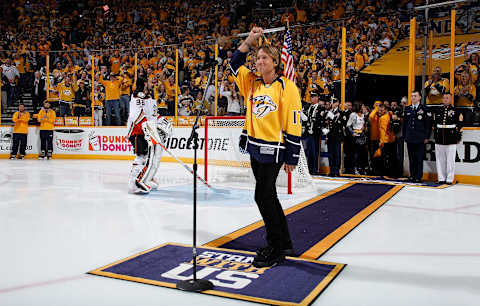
146,131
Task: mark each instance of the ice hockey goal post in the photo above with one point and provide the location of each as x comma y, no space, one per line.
222,155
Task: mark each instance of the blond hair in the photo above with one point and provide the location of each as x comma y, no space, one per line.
274,54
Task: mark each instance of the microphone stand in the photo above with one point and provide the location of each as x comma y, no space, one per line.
196,285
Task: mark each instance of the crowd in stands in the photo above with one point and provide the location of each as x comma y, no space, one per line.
109,33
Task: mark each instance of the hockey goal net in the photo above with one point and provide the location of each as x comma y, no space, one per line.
225,163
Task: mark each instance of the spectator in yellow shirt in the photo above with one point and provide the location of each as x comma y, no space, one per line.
98,106
386,141
46,116
112,98
20,131
66,95
125,92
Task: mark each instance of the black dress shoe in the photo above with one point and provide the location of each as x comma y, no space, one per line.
448,183
417,181
440,182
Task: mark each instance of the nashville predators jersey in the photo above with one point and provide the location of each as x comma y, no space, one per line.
272,124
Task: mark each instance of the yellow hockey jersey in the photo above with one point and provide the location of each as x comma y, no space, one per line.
272,123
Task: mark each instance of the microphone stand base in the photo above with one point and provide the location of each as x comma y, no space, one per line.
192,285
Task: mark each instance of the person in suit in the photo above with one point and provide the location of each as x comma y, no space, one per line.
416,130
39,93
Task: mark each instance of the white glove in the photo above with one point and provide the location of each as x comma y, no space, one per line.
164,127
303,117
330,116
325,131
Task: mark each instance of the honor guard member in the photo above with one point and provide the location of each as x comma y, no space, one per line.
313,131
334,130
446,125
435,87
416,131
396,124
271,135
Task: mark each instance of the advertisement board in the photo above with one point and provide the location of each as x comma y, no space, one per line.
112,143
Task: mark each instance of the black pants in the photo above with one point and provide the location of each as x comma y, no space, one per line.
334,156
19,139
415,157
375,163
399,143
46,140
389,159
348,155
269,205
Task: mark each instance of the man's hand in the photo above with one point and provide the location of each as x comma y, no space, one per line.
289,168
255,33
425,141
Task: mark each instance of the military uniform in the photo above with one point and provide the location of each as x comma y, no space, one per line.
312,135
335,131
416,128
447,124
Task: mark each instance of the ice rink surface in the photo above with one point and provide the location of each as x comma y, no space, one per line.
62,218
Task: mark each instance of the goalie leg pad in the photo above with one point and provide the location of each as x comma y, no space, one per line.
154,160
135,173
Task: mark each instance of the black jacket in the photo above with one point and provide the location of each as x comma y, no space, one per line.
416,124
446,125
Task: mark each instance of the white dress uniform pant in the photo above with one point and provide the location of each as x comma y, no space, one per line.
445,155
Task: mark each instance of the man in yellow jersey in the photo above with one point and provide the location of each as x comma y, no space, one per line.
436,86
20,131
271,135
386,141
66,94
46,116
112,97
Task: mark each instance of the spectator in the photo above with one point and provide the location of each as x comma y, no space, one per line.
11,74
20,131
357,126
39,91
125,92
3,85
81,100
374,134
465,91
387,142
98,106
435,87
112,98
348,142
46,117
66,93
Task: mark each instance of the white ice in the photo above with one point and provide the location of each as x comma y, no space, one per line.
62,218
